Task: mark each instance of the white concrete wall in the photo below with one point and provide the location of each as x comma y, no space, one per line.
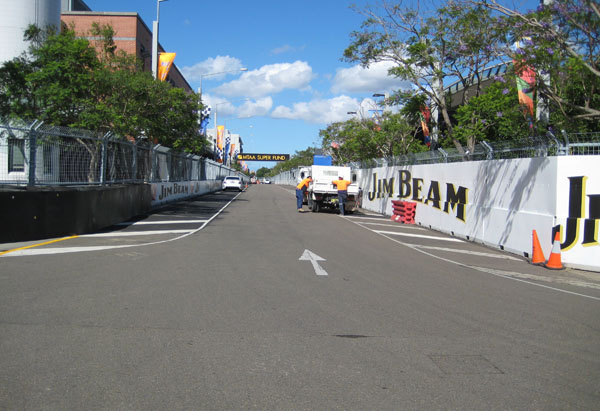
504,201
166,192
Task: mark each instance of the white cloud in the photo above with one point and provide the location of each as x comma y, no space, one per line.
269,79
374,79
260,107
244,108
211,65
319,111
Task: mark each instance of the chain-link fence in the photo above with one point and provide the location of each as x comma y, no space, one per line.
38,154
541,146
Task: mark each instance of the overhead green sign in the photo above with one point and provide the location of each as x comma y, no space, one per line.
263,157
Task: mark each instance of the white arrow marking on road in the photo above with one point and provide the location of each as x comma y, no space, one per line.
313,258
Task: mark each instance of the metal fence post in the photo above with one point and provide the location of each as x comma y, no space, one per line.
134,162
104,157
489,149
154,162
565,150
444,154
32,152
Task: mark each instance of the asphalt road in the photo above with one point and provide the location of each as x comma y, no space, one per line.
219,303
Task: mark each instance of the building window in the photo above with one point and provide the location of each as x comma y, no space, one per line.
16,155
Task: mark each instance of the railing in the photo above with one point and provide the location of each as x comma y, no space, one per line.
37,154
541,146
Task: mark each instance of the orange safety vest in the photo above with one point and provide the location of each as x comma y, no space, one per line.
303,183
342,185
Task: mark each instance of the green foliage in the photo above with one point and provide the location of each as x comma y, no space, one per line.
428,46
493,116
561,42
357,140
64,81
300,158
263,172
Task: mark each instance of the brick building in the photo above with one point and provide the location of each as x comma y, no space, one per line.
132,35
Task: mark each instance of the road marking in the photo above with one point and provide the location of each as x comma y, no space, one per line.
22,252
524,278
130,223
410,227
430,237
134,233
37,245
498,273
313,258
353,217
455,250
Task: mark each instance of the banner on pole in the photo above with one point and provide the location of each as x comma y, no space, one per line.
165,61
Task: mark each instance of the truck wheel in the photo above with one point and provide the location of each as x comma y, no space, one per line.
316,207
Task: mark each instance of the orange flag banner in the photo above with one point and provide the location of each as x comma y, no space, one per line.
165,61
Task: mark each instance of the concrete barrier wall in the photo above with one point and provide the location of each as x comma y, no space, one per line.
47,212
166,192
41,213
500,202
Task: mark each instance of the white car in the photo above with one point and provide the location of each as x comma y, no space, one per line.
232,183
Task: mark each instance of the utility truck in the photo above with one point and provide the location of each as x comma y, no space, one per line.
322,193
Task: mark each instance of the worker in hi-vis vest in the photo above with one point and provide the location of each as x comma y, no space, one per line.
342,187
300,189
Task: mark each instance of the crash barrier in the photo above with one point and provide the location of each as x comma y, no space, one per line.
40,213
497,194
403,211
37,154
57,181
500,202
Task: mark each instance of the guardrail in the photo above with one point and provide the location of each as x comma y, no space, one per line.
36,154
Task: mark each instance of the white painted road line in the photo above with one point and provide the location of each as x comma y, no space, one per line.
366,218
135,233
130,223
430,237
393,224
63,250
30,251
455,250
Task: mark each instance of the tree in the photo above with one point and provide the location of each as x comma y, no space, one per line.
381,137
428,47
494,116
560,41
300,158
64,81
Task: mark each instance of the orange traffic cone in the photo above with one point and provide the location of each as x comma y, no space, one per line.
537,256
554,262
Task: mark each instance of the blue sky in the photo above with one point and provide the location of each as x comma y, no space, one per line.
295,83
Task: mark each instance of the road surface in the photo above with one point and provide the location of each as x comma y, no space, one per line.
235,301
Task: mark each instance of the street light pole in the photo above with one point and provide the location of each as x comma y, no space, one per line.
155,40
